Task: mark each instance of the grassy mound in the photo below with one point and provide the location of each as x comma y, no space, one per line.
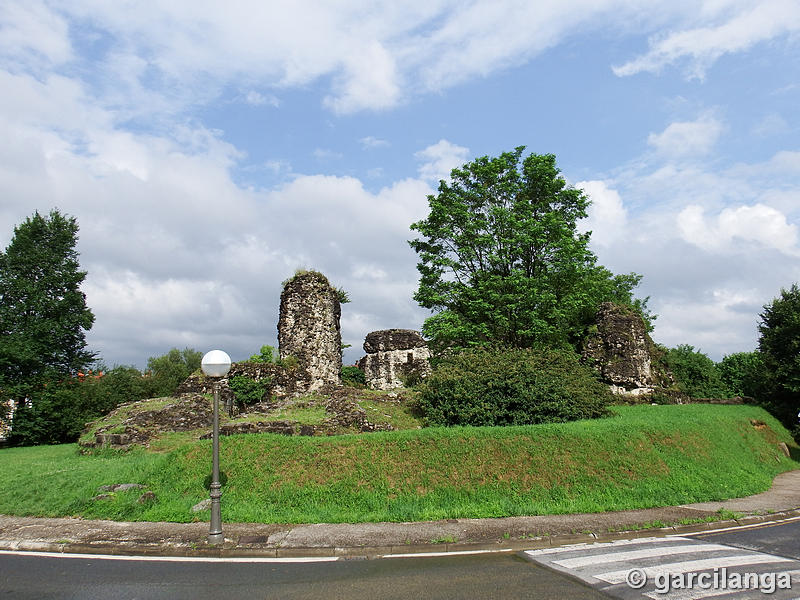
642,456
347,410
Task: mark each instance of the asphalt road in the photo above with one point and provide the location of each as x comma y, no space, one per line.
482,576
28,576
782,539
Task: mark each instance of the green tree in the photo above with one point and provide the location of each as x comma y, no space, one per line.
168,371
502,260
43,313
779,345
743,374
268,354
56,412
696,373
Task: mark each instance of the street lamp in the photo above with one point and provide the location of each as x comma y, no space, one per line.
215,364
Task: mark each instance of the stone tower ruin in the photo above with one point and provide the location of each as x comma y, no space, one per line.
309,330
620,350
393,354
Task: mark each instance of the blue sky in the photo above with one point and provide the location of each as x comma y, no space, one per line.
210,149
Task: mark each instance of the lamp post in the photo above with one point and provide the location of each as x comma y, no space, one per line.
215,364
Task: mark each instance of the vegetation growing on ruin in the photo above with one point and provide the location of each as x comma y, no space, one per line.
341,295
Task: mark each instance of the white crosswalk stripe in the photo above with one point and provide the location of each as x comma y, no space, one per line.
738,560
601,545
674,561
582,561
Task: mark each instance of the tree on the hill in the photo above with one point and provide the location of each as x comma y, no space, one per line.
502,260
779,345
43,313
697,375
743,374
170,370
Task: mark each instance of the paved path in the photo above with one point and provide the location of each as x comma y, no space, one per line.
379,539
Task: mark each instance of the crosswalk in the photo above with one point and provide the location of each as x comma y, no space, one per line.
675,568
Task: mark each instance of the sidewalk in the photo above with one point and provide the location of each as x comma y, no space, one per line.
380,539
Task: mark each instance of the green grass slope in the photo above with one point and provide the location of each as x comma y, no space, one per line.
643,456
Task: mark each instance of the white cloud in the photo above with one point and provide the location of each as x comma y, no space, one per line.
771,124
370,142
369,80
607,217
369,271
254,98
327,154
33,35
713,245
439,159
745,25
758,223
687,138
371,56
98,117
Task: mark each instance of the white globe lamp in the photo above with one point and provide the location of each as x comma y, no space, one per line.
215,364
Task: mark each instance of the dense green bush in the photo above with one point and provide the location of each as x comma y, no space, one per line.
352,375
57,408
697,375
743,374
247,390
489,386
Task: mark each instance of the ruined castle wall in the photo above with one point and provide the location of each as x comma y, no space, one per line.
620,350
393,354
309,329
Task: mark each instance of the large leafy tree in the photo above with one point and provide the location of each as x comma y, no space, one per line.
43,312
779,345
168,371
697,375
743,374
502,260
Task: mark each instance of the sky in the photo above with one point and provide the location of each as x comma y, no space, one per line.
209,149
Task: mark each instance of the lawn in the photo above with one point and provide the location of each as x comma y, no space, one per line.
643,456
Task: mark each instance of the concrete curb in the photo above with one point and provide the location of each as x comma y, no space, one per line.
228,550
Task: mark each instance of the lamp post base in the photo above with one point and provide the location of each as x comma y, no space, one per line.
216,538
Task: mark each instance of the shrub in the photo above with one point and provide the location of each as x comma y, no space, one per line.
352,375
290,363
57,409
247,390
490,386
54,412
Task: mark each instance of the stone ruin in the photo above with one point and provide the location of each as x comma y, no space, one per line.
393,354
309,330
622,352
